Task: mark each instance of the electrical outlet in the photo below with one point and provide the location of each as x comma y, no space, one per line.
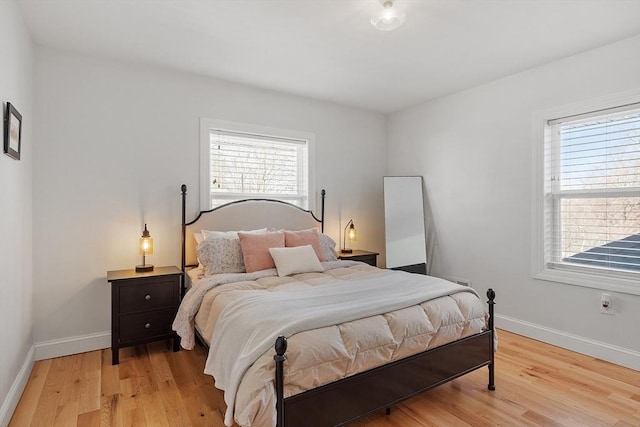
606,306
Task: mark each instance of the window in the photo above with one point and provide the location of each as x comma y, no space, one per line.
243,161
591,199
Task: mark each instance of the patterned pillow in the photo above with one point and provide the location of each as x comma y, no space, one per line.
220,255
327,245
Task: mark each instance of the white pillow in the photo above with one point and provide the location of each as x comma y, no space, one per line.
294,260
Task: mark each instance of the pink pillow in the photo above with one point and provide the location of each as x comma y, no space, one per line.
255,249
303,238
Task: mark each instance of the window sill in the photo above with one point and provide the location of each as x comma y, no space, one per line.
591,280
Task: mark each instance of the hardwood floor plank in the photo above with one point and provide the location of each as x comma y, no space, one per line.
32,392
201,415
109,410
510,412
141,369
543,399
541,420
67,414
607,405
158,360
154,410
47,407
90,382
72,367
537,385
109,376
437,416
175,410
135,418
89,419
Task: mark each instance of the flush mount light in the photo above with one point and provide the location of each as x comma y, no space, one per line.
388,17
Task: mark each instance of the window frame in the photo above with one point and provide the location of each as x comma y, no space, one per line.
603,279
207,125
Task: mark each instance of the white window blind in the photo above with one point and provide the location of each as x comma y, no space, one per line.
592,191
246,165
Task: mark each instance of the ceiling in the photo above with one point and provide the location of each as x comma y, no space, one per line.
327,49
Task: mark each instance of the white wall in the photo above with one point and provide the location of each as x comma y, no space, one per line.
114,142
16,313
474,150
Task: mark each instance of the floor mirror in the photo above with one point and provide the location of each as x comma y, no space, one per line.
406,248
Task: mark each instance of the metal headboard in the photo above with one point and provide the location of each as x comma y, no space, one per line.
265,213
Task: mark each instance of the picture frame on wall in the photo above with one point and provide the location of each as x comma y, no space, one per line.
12,132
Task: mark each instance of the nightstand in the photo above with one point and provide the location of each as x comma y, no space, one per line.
143,306
370,258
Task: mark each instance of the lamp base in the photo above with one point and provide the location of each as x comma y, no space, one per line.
144,268
347,251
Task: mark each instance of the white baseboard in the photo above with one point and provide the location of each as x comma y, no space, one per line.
17,388
72,345
610,353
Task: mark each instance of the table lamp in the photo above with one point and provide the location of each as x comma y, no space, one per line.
146,248
350,232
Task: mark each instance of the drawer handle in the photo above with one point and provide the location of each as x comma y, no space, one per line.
147,326
147,297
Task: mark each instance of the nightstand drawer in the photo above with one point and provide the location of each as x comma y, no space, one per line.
141,297
139,326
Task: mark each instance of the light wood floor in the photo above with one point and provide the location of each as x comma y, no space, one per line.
537,385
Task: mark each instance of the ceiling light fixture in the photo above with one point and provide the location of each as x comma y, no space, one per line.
389,17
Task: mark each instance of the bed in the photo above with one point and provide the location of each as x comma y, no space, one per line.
321,345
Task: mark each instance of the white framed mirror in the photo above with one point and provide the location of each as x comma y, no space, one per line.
406,247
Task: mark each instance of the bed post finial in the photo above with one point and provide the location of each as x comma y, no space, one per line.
491,294
281,348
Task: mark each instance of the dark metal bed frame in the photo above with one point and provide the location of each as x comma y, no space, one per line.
348,399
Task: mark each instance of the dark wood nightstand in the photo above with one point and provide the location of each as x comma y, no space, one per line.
143,306
370,258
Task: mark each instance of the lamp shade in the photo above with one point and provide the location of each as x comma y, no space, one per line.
388,17
350,233
146,248
146,242
353,233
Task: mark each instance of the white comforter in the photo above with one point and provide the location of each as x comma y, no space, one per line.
355,317
249,326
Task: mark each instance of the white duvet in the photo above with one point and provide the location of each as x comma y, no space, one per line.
349,319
